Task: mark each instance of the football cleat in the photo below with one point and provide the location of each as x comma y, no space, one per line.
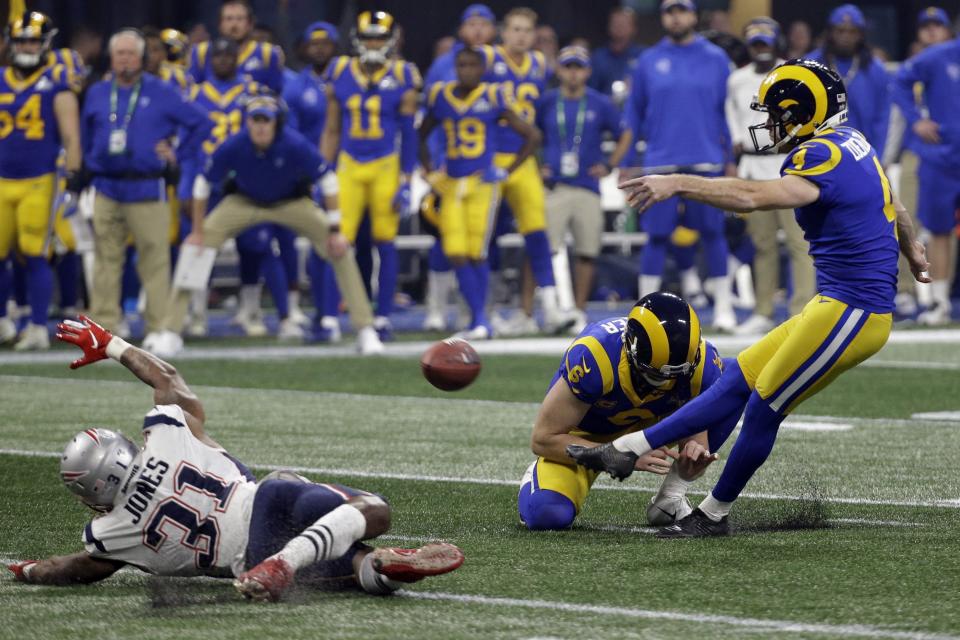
289,331
666,510
695,525
327,330
368,342
266,581
384,328
8,330
605,457
411,565
34,337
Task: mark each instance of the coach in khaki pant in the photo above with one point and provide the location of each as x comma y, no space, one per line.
125,128
763,36
271,169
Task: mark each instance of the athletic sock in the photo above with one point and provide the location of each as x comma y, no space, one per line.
374,582
714,509
673,486
331,292
326,539
541,261
39,289
941,292
387,286
276,280
648,284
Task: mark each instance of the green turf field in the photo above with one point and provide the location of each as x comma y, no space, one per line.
852,529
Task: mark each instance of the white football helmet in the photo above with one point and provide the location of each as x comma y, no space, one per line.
95,464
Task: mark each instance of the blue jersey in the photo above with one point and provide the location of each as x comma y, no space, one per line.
261,61
370,106
599,116
610,67
72,63
596,369
523,83
306,100
468,124
851,227
29,135
868,95
676,104
937,69
286,170
174,75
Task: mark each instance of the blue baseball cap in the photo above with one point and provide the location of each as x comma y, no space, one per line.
933,14
849,14
765,31
263,106
477,11
574,55
666,5
321,31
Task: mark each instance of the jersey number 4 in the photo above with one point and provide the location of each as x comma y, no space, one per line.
27,119
196,532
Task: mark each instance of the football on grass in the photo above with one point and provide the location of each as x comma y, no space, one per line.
450,364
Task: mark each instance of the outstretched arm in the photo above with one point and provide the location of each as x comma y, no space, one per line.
730,194
911,248
168,386
78,568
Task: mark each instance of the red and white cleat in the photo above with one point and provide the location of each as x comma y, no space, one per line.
266,581
411,565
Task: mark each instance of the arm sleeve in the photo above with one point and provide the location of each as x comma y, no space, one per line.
636,102
195,69
194,123
275,77
218,165
882,102
614,121
723,77
291,91
911,72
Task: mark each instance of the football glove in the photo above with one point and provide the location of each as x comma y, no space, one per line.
402,200
21,570
494,175
89,336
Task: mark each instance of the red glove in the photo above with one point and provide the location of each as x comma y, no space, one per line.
18,570
87,335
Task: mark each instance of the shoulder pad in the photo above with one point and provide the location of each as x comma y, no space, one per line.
587,369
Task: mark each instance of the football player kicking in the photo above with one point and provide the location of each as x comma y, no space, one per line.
618,376
854,223
183,506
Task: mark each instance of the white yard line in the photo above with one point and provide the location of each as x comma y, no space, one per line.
755,624
940,416
382,475
876,523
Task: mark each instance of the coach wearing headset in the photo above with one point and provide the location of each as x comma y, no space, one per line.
127,126
268,171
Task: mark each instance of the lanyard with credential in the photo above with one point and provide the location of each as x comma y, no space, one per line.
131,105
562,122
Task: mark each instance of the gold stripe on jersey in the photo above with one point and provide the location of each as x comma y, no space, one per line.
18,85
799,159
520,70
601,358
463,105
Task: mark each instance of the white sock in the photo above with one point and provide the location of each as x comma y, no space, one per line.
635,442
673,486
690,282
326,539
198,305
714,509
941,292
293,299
649,284
373,581
250,298
561,273
548,298
722,296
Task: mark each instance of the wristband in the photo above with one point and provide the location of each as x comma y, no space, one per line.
329,184
116,348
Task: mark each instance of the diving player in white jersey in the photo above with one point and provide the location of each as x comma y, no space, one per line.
181,505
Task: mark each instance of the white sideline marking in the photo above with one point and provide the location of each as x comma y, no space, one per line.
386,475
784,626
879,523
943,416
816,426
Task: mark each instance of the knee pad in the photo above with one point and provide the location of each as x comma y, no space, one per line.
545,509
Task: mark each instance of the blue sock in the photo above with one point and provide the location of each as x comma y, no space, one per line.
388,277
715,249
5,281
249,265
39,289
68,276
715,411
363,252
276,280
331,292
538,251
469,279
545,509
654,256
437,259
750,451
19,283
315,270
288,253
129,282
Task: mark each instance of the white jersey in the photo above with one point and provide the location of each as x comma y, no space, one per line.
742,87
184,509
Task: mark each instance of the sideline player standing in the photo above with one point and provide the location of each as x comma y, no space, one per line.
854,223
181,505
676,104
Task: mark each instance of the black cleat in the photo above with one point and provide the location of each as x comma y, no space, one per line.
695,525
606,457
